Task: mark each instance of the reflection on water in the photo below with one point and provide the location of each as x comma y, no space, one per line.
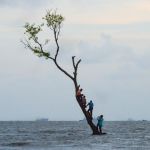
75,135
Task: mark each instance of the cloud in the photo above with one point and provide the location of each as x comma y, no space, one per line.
110,52
23,3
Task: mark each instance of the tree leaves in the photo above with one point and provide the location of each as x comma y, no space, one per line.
32,31
37,50
54,22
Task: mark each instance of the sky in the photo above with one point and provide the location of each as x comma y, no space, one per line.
112,38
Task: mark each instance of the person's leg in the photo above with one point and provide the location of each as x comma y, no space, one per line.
80,98
77,97
97,124
91,112
100,128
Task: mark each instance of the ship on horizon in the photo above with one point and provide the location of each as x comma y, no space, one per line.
41,119
130,119
94,119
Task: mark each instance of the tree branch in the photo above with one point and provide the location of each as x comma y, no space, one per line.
27,45
55,59
78,64
75,72
58,32
73,61
63,70
56,41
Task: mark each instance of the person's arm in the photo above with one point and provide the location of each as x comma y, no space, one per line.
77,93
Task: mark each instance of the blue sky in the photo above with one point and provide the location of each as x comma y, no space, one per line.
111,37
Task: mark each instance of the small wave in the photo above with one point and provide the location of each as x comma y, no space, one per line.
18,144
147,136
140,129
48,131
22,131
80,130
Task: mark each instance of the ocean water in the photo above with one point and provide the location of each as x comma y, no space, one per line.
74,135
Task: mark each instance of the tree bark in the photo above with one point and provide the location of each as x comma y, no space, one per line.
86,114
75,66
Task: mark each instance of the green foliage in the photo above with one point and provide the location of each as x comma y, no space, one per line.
54,20
32,31
37,50
46,41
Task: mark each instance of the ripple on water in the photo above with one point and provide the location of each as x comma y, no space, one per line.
73,135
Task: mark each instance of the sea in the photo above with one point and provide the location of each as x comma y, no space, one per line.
74,135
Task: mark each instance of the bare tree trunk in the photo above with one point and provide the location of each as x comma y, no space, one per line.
86,114
75,66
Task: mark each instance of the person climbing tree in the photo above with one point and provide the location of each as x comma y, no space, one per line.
84,101
90,107
78,95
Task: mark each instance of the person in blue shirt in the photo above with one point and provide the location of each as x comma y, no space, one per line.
90,107
100,120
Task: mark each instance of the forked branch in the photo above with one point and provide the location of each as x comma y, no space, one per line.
78,64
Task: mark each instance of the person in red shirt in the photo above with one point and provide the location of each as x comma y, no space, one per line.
84,101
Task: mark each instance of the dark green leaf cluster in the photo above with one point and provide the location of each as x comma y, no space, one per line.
37,50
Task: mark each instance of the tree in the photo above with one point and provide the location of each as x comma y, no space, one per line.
55,23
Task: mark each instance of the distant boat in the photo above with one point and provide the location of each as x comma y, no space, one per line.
41,119
144,120
94,119
130,119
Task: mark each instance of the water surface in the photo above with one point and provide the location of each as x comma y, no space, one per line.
74,135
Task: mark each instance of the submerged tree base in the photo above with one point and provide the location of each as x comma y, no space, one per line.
89,120
100,134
